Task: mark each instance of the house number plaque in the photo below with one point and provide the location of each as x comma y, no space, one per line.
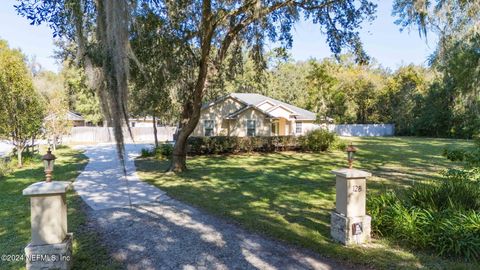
357,188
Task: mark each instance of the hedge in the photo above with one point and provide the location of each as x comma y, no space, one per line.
226,145
313,141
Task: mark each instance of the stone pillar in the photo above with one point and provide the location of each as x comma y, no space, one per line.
349,222
51,245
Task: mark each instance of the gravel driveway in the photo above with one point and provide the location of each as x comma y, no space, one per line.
158,232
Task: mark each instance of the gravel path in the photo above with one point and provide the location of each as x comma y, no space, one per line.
168,234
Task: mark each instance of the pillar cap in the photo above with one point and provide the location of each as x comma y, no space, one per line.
47,188
351,173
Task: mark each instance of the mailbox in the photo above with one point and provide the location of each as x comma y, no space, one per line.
349,222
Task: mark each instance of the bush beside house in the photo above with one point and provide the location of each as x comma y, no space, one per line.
313,141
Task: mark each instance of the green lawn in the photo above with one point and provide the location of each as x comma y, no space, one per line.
15,213
289,195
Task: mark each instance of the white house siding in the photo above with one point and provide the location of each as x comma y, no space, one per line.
238,127
307,125
217,112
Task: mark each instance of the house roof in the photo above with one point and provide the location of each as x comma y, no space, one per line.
257,99
236,113
70,116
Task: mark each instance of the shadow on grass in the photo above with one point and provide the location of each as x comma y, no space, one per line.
289,195
15,214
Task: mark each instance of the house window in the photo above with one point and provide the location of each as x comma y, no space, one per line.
251,128
208,124
275,128
298,127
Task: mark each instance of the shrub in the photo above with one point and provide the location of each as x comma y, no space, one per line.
147,152
164,151
443,218
315,141
27,158
227,145
6,167
340,144
318,140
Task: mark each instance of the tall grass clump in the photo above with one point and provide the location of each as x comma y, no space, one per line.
443,218
5,167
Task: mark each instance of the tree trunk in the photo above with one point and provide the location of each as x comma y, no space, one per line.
193,105
155,129
190,116
54,143
19,156
188,122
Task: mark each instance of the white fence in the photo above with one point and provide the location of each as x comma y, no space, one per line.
105,134
363,130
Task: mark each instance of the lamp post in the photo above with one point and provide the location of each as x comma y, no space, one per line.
351,155
51,243
48,162
349,223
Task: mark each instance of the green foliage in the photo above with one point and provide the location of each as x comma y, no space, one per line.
318,140
161,152
289,195
82,99
442,218
153,83
52,88
313,141
439,101
225,144
22,108
451,107
88,251
164,150
6,167
147,152
404,93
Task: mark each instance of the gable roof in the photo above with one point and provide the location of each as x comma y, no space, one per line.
237,113
257,99
70,116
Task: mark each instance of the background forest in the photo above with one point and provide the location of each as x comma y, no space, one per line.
439,100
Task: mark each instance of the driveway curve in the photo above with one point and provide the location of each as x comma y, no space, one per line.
158,232
103,185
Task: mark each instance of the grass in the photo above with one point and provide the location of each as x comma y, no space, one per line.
15,214
289,195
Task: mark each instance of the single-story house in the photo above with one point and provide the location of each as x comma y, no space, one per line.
246,114
75,119
146,121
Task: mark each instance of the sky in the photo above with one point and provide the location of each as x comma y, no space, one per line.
382,39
